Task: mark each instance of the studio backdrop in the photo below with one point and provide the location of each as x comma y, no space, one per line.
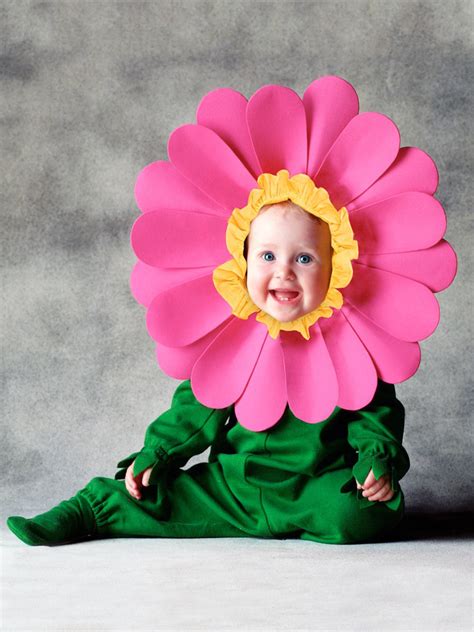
90,93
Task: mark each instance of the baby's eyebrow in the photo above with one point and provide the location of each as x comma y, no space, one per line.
303,247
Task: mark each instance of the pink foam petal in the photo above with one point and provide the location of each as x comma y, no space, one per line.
264,399
363,151
171,239
187,312
395,360
160,185
356,374
277,125
404,308
412,170
330,103
435,267
408,221
221,373
205,159
178,362
310,376
146,281
223,111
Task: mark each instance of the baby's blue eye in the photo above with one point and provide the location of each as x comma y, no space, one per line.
265,255
307,258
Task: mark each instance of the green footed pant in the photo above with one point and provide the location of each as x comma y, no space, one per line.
201,503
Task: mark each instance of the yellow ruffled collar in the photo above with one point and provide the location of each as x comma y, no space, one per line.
230,277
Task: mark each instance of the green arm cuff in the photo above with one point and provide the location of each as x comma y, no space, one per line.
381,465
124,463
156,459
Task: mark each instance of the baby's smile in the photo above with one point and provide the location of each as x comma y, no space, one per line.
288,261
285,296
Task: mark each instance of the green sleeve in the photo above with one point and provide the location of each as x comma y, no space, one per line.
184,430
376,433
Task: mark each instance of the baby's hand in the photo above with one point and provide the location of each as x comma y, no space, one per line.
380,490
134,484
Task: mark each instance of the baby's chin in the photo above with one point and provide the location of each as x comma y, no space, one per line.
285,317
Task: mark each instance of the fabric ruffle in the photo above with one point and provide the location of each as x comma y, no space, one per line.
230,277
381,465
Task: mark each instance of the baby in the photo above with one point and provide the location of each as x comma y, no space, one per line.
288,481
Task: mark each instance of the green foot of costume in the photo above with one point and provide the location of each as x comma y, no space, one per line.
70,521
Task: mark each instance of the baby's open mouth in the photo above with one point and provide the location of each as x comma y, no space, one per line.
285,296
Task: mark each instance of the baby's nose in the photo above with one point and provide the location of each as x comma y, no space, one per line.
285,272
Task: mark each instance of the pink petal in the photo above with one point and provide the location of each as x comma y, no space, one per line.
310,376
221,374
408,221
435,267
277,125
204,158
394,359
330,103
159,185
412,170
178,362
146,281
356,374
263,401
183,314
404,308
363,151
171,239
223,111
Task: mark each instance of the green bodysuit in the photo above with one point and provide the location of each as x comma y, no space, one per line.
296,480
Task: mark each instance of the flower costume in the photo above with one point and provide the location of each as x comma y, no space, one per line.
293,412
352,173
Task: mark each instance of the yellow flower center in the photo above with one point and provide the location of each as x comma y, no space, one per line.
230,277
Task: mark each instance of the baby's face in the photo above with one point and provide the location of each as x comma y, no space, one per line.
288,262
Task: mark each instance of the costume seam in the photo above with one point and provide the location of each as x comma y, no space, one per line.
260,492
264,512
267,451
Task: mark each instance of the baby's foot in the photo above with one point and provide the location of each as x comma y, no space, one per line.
70,521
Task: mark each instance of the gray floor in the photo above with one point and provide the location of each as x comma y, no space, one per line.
422,580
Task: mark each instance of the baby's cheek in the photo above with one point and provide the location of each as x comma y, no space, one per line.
255,285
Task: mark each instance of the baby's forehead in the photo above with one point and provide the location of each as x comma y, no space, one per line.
307,232
287,207
271,217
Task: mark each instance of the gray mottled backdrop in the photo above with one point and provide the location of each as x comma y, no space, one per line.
90,93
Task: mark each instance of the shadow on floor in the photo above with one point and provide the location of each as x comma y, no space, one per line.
435,526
